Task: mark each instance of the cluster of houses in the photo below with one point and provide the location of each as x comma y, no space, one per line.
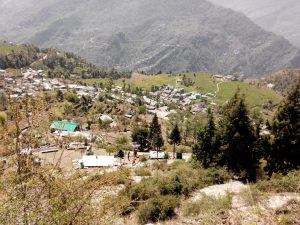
229,77
156,102
34,81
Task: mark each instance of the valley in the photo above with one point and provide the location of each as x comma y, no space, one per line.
149,112
154,36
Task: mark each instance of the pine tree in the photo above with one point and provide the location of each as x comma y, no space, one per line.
140,136
155,135
175,138
285,152
238,139
207,146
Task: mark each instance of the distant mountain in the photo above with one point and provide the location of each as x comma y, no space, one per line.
149,35
279,16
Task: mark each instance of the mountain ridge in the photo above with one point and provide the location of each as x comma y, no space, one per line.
280,17
155,36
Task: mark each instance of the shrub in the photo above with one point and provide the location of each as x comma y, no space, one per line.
121,176
122,140
208,208
171,186
143,158
166,155
141,191
141,109
72,97
120,154
159,166
110,149
218,175
184,149
157,209
142,172
3,119
280,183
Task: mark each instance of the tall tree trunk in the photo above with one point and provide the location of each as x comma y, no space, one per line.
174,151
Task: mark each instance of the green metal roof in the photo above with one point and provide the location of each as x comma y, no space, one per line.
64,126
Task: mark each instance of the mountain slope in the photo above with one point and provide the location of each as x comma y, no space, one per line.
280,17
283,81
56,63
150,35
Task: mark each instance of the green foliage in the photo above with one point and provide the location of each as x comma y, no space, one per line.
111,149
17,56
142,109
122,140
157,209
72,97
178,180
204,83
175,138
238,139
208,208
285,151
280,183
59,95
155,135
120,154
3,119
68,109
143,158
142,171
140,136
207,148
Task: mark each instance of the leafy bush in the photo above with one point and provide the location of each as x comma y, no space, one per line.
171,186
141,109
169,182
72,97
166,155
218,175
110,149
157,165
143,158
120,154
3,119
121,176
122,140
280,183
142,172
157,209
209,209
140,191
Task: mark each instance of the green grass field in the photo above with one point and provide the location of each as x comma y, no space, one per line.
6,49
204,83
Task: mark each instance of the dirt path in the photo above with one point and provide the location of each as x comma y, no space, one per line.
218,88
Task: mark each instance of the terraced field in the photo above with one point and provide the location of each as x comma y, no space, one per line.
203,83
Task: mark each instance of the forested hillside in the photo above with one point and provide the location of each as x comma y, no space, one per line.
150,35
282,81
56,63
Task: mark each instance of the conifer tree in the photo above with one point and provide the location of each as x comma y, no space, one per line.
285,152
175,138
155,135
140,136
238,139
207,146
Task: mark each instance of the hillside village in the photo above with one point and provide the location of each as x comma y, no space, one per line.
137,141
153,102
